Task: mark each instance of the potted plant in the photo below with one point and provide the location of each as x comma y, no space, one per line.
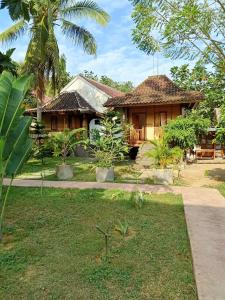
164,159
108,146
63,144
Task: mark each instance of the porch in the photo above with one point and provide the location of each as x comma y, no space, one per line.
147,121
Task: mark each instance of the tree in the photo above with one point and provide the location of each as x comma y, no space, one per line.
63,77
126,86
6,62
181,29
220,132
212,84
15,144
185,131
40,18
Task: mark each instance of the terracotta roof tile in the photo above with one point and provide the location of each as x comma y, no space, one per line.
68,101
155,90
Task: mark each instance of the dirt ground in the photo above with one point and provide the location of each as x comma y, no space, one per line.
203,174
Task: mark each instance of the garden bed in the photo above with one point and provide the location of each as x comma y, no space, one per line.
52,250
84,170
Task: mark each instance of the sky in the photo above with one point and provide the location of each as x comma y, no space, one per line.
117,57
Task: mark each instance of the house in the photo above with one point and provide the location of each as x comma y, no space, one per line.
151,105
79,104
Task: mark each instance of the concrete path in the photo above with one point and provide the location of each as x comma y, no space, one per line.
205,216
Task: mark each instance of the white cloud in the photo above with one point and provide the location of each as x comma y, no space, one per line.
124,64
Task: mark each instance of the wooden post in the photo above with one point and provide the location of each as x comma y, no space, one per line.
85,122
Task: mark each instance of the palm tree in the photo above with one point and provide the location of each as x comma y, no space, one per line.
40,19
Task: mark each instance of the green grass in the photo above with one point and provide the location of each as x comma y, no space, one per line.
52,250
84,169
221,188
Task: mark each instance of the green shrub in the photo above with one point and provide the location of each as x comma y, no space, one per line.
109,143
163,155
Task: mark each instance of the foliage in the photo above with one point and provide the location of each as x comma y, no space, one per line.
211,83
64,142
185,131
106,237
163,155
30,101
126,86
220,132
43,146
181,29
63,77
122,228
137,199
109,143
15,144
6,62
40,18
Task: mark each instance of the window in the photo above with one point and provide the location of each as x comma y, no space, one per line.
54,123
160,119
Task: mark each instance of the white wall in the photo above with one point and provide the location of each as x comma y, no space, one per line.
95,97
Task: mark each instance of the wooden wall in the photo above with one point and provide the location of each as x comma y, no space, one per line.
76,121
152,130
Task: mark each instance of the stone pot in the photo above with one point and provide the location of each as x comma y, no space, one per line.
163,176
64,172
104,174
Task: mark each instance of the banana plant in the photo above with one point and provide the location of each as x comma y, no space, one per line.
15,143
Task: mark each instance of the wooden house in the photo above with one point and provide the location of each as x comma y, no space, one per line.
151,105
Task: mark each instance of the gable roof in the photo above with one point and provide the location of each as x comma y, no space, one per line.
156,90
68,101
112,92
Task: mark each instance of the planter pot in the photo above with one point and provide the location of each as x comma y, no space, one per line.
64,172
104,174
163,176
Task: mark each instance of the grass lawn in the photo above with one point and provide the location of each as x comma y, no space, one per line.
84,169
221,188
52,250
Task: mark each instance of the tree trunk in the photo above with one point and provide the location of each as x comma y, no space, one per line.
39,111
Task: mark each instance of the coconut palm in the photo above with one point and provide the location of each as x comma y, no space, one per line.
40,19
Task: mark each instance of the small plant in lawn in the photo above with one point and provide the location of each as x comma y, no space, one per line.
122,228
106,237
137,199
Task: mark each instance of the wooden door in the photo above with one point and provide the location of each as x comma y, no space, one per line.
139,123
160,120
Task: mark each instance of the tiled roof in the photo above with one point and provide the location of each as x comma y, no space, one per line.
105,88
155,90
68,101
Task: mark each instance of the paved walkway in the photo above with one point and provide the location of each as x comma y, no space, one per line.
205,216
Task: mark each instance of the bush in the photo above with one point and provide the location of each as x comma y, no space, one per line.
109,143
64,142
163,155
185,131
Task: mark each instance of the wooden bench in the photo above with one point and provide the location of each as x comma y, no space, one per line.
205,153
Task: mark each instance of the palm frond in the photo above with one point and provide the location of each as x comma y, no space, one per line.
80,36
13,32
87,9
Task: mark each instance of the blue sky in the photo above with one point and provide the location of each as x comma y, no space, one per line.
117,56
